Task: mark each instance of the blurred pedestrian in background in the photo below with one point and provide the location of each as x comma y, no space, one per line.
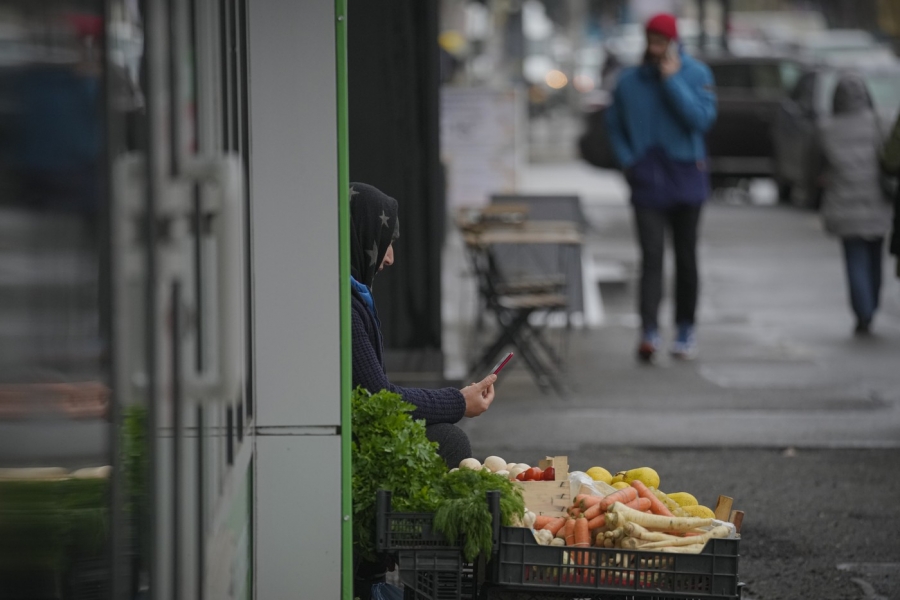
890,162
854,206
660,112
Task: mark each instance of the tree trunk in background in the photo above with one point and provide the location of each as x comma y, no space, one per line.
393,66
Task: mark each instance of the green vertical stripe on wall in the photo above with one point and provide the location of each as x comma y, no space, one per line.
343,183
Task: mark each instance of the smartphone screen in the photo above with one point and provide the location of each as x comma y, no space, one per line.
499,366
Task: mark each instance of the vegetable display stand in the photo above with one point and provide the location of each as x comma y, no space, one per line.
522,565
431,566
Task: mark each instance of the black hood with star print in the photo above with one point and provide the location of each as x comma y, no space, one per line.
374,224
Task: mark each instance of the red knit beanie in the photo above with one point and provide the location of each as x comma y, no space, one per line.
663,24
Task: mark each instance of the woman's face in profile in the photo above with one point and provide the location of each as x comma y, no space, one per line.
388,258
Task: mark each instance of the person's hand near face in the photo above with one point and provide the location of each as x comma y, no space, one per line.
662,52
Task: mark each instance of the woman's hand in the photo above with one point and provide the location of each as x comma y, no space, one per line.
479,395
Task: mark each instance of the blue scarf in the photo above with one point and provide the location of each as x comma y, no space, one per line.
366,293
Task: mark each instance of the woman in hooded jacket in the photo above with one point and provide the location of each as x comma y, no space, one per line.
890,162
374,225
854,206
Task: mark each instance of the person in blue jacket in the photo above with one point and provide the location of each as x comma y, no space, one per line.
660,112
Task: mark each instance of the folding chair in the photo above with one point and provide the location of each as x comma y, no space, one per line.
513,303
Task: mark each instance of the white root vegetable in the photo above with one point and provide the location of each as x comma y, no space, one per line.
509,466
494,464
659,522
692,549
715,532
454,469
543,537
470,463
528,519
523,466
557,541
503,473
640,533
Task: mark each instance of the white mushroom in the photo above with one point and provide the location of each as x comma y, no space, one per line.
494,464
470,463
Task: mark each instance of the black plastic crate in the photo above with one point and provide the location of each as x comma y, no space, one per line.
431,567
405,530
523,564
436,575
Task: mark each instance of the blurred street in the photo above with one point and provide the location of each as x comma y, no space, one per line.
783,402
778,363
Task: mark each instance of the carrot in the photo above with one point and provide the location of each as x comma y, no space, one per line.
582,532
656,505
541,521
641,504
570,532
624,495
585,501
555,525
574,511
597,522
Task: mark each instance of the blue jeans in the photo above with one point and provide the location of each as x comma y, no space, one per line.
863,260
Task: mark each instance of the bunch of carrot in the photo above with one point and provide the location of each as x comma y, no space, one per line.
632,517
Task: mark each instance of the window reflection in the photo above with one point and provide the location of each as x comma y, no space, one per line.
56,401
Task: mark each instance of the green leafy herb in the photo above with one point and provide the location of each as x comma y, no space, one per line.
390,452
463,512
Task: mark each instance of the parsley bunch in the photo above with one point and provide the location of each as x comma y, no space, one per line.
463,511
390,452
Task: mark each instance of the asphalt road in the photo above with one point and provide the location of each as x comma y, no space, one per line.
784,410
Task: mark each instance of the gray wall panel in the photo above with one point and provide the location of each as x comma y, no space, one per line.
298,518
294,212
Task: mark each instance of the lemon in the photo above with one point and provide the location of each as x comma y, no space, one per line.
699,511
618,478
599,474
646,475
683,499
620,485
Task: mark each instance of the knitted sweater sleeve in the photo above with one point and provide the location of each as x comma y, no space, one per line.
445,405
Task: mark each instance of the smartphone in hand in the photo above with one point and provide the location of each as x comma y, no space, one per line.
499,366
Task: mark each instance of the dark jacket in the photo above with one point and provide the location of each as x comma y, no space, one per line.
890,162
657,128
445,405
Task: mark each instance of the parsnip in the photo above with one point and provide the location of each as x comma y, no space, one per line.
715,532
657,522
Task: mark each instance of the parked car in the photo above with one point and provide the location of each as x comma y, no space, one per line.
843,48
750,92
798,156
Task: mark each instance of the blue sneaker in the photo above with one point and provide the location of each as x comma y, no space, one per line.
649,344
685,345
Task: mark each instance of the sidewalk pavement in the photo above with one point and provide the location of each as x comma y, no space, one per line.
778,366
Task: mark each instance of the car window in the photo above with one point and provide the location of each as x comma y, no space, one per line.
827,81
790,74
767,80
803,93
732,76
885,91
